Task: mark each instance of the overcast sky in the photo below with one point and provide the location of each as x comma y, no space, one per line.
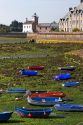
47,10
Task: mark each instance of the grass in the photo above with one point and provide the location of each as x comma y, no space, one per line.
56,56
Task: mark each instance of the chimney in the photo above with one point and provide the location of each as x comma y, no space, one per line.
70,9
26,19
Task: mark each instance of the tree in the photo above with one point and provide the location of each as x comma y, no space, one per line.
54,27
16,26
4,28
76,30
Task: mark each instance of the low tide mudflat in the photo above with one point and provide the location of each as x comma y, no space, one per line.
16,54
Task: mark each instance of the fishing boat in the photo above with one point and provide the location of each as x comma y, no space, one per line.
5,116
71,84
63,76
48,94
30,113
68,107
16,90
28,72
69,68
43,101
36,67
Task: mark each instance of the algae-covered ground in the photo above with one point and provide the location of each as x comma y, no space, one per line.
16,54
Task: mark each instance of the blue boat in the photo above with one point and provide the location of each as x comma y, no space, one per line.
44,101
24,112
5,116
28,72
71,84
16,90
69,68
68,107
62,76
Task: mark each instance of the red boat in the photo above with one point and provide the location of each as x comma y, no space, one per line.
36,67
48,94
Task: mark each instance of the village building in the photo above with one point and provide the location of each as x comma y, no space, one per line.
73,19
32,26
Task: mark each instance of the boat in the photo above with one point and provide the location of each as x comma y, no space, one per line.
31,113
28,72
71,84
69,68
36,67
43,101
5,116
16,90
48,94
63,76
68,107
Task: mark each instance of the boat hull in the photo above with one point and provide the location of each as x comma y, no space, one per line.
28,72
48,94
71,84
68,68
44,101
5,116
16,90
23,112
63,76
36,67
69,107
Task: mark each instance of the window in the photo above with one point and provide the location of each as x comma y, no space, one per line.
77,21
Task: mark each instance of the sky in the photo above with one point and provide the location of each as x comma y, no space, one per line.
47,10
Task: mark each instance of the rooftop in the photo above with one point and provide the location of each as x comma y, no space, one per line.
72,10
28,22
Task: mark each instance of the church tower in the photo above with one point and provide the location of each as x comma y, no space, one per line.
81,1
35,18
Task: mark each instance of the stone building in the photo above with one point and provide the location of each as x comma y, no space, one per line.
31,26
73,19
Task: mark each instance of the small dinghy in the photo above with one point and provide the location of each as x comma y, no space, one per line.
69,68
5,116
63,76
16,90
44,101
48,94
68,107
36,67
31,113
71,84
28,72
